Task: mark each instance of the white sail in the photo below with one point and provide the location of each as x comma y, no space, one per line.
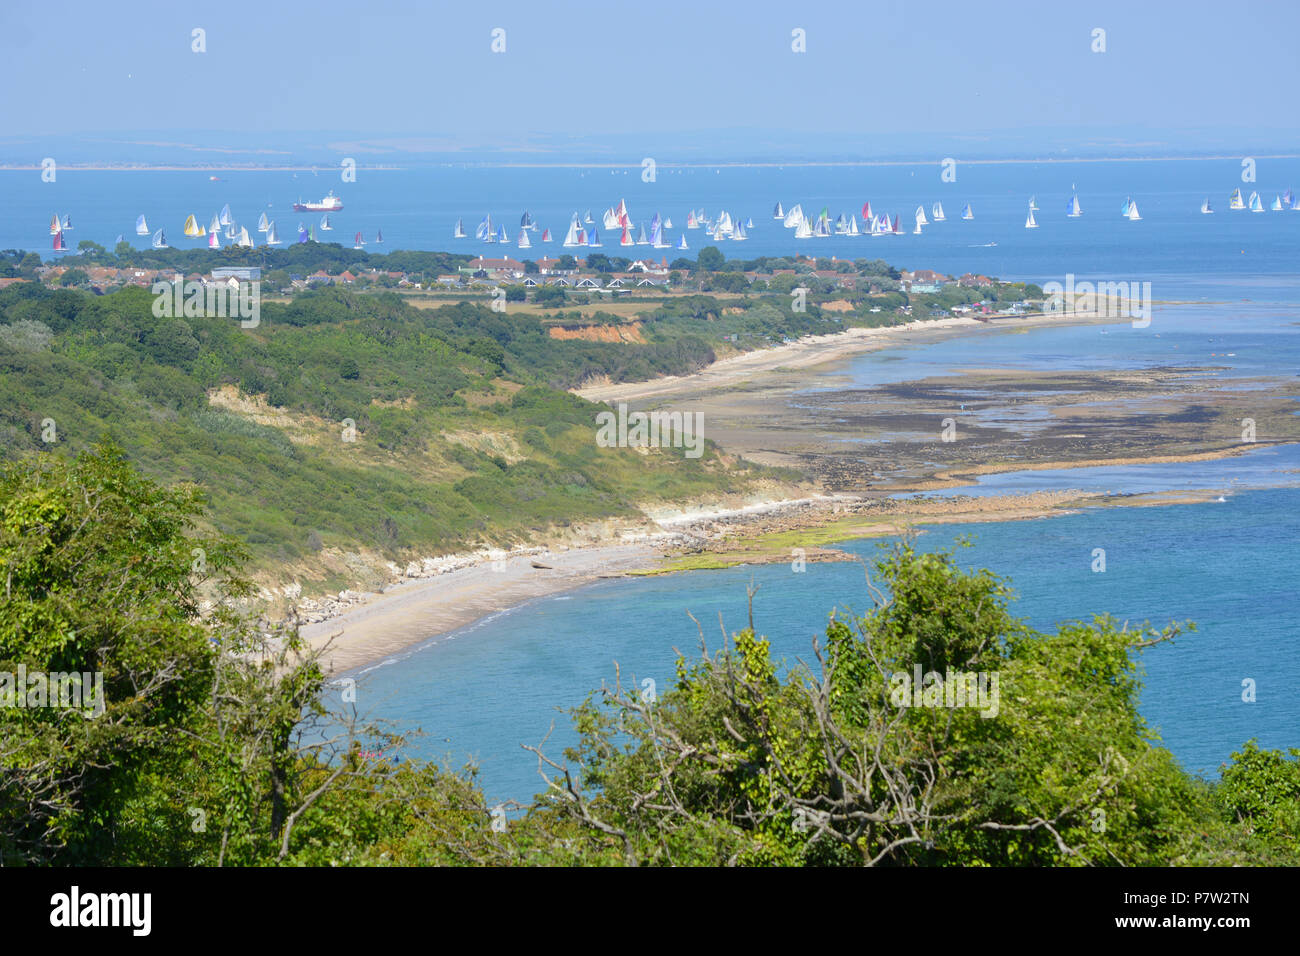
1072,210
571,237
966,213
524,241
215,225
1133,211
1030,223
141,227
937,212
326,227
262,224
225,218
778,212
920,216
460,230
160,240
794,217
1205,207
804,230
244,239
272,237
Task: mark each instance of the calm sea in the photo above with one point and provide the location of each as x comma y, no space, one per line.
418,208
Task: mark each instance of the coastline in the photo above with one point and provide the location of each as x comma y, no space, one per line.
672,537
814,350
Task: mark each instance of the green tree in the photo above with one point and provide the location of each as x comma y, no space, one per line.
710,259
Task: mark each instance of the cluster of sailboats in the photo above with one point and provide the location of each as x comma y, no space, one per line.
846,224
223,226
1288,200
584,233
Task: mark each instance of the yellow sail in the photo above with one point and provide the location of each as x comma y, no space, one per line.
193,229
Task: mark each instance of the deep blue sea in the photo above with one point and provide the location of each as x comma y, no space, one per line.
1229,566
418,208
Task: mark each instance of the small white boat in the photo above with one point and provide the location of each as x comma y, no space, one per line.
1030,223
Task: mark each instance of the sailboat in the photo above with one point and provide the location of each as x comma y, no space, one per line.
920,216
225,218
141,227
524,241
379,236
1235,201
120,238
898,229
738,234
262,224
641,239
794,216
192,228
302,233
691,221
1133,214
546,235
1072,208
526,221
1029,222
56,226
485,230
1033,202
804,230
1205,207
272,237
67,224
594,238
610,218
232,231
571,237
917,230
160,240
936,212
778,212
668,223
357,241
587,218
626,239
681,242
214,226
657,237
866,212
326,227
214,239
966,212
1123,210
1277,204
460,230
501,235
59,244
1255,204
853,226
244,239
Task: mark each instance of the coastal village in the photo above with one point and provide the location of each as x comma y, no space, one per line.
483,275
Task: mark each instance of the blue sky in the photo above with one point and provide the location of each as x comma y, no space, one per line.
423,72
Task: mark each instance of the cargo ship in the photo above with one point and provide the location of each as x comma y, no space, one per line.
330,203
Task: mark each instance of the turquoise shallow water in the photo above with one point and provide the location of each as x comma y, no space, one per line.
1231,568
